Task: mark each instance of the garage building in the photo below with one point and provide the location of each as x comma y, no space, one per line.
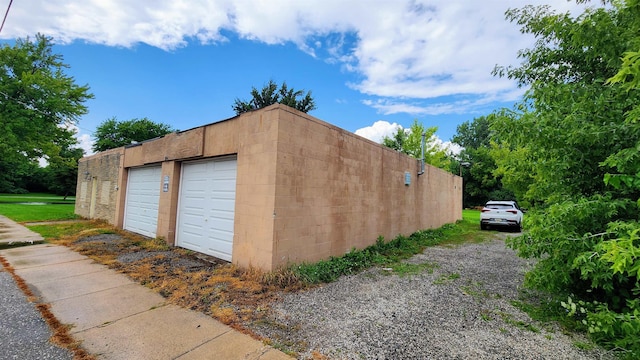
266,189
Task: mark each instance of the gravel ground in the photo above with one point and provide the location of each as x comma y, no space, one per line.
23,332
457,308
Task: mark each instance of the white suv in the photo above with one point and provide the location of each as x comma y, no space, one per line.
501,213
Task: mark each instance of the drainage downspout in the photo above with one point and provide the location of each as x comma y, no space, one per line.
424,135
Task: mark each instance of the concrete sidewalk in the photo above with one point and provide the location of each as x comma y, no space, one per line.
12,232
116,318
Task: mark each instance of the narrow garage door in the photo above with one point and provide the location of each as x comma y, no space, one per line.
143,195
206,207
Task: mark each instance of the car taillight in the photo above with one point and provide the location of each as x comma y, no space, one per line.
485,209
512,211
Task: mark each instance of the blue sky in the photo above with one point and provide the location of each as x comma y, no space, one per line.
371,65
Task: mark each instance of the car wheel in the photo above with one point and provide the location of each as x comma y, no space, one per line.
483,226
518,227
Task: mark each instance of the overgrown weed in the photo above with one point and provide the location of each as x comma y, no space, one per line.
389,253
406,269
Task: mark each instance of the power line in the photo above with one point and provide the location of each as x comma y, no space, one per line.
27,106
5,15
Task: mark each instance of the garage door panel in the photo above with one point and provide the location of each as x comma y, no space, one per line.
225,185
194,191
220,225
195,204
226,204
191,220
224,165
197,188
142,200
224,216
207,205
219,248
229,192
194,237
225,178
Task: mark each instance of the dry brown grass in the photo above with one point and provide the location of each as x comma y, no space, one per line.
232,295
229,294
107,253
236,297
226,315
317,356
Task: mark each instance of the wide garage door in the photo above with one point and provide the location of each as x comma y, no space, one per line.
143,195
206,207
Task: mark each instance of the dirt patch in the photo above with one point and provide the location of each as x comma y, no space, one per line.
101,238
191,280
169,259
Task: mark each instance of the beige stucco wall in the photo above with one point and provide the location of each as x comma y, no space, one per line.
99,185
336,191
305,189
253,137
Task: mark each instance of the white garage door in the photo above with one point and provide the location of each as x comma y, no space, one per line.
206,207
143,195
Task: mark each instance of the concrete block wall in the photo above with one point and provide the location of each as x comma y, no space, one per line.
254,137
336,191
99,185
305,189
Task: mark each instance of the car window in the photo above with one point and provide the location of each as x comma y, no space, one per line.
499,206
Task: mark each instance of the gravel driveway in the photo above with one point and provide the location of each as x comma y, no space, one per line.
458,307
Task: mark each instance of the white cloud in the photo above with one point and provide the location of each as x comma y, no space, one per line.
388,106
378,130
85,143
450,148
409,49
84,140
382,128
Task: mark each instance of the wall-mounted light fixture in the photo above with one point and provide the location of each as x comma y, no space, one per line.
465,164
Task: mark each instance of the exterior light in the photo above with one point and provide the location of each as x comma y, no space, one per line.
465,164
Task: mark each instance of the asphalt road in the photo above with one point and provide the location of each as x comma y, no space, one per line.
23,332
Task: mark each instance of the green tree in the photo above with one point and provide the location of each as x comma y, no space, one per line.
474,134
409,141
62,172
113,133
480,182
577,124
570,121
270,94
38,102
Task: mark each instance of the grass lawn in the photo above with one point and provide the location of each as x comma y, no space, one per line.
472,216
35,197
467,230
10,207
